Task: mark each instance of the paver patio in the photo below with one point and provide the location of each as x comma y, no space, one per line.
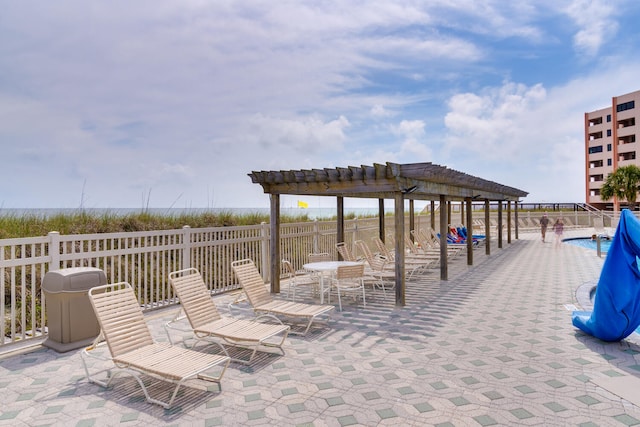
493,345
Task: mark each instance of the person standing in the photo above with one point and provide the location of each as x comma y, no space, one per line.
558,229
544,222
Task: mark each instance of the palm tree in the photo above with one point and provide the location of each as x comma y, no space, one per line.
623,184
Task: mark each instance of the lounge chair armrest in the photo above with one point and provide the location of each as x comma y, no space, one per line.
262,317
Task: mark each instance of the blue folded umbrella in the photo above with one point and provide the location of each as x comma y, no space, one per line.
616,309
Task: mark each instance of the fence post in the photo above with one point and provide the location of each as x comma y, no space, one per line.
186,247
316,233
354,235
264,252
54,250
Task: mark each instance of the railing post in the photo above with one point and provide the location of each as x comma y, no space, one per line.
54,250
354,234
316,234
186,247
264,252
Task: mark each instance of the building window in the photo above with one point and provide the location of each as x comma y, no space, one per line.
608,132
596,149
626,106
608,117
608,162
609,147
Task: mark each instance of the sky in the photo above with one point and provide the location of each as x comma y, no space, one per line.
171,104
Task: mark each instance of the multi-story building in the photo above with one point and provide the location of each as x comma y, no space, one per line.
610,142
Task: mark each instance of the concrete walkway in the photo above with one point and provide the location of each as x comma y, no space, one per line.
494,345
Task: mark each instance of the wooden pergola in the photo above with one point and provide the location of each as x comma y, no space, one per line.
399,182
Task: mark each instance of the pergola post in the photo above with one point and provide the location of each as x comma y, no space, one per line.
487,227
412,217
444,263
515,213
339,219
499,224
433,214
469,232
508,221
274,242
399,248
381,231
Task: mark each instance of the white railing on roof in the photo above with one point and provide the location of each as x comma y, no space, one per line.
145,259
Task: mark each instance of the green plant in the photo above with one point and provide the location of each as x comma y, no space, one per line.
622,184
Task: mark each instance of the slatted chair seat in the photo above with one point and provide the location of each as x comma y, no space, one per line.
133,350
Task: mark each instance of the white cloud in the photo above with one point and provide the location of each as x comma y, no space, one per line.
378,110
307,135
184,99
488,125
594,19
413,147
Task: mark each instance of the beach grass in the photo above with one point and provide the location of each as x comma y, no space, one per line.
16,226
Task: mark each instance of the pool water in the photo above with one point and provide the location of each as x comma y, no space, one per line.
586,242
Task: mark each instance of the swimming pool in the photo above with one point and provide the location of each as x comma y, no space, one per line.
586,242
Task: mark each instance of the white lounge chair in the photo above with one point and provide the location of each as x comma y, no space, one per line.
345,252
133,350
207,323
263,302
381,272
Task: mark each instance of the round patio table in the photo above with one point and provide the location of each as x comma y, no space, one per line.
326,268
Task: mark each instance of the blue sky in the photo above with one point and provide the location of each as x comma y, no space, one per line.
172,103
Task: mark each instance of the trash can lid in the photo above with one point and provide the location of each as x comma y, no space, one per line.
73,279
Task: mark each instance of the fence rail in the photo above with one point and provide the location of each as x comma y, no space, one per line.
145,260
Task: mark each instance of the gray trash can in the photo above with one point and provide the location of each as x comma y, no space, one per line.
71,320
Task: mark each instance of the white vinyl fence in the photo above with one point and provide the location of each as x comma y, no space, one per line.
145,260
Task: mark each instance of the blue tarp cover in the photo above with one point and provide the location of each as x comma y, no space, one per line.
616,309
